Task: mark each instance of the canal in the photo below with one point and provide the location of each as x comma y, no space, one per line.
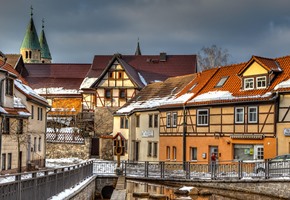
144,190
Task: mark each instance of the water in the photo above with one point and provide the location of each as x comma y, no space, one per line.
168,191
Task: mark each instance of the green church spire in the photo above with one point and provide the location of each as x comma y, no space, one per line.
30,40
45,53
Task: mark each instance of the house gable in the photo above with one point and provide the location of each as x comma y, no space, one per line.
254,69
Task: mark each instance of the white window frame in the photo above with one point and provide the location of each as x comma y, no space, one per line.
168,119
251,113
193,153
174,153
249,82
167,152
261,81
202,119
238,113
174,119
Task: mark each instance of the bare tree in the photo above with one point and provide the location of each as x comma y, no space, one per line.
210,57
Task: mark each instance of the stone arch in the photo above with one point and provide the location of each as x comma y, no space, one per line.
107,191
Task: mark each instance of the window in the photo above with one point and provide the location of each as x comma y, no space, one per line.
222,81
39,114
155,149
34,144
252,114
6,126
202,117
174,151
9,160
122,93
168,153
108,94
150,122
171,119
20,126
9,86
168,119
248,83
239,115
4,161
32,111
261,82
155,120
174,119
39,144
149,153
137,120
111,75
193,153
120,75
123,122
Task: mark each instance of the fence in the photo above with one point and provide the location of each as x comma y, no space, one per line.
65,137
195,170
43,184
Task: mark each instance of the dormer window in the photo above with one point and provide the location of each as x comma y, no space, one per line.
261,82
249,83
9,86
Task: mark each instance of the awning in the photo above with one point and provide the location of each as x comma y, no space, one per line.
247,136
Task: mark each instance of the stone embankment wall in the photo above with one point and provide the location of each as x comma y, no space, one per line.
271,188
85,192
67,150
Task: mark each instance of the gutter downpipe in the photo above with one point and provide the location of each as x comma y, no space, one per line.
184,137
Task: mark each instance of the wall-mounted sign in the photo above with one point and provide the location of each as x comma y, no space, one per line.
287,131
148,133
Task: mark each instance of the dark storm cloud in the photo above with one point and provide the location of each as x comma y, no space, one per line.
78,30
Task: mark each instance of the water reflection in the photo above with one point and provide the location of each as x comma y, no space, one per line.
137,188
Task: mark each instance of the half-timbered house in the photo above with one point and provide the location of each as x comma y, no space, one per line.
138,120
232,115
23,123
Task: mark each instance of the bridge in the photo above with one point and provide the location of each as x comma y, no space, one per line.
272,179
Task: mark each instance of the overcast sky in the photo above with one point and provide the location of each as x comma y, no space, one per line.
76,30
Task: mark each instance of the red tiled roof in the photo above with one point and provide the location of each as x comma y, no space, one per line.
68,76
149,66
14,111
9,68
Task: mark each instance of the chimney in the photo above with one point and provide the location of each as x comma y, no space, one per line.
162,57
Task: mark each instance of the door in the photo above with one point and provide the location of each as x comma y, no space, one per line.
215,150
95,147
259,152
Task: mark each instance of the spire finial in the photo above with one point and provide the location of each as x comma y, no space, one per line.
31,11
138,50
42,23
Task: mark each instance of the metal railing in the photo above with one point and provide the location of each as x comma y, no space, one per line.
43,184
197,170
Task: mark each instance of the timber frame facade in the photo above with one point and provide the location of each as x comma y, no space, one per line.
238,112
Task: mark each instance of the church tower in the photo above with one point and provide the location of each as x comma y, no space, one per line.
34,49
45,53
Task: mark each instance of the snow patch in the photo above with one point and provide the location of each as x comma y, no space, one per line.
87,82
56,90
283,84
142,79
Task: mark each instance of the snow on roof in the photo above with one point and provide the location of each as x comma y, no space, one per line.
56,90
283,84
142,79
24,114
17,103
28,90
223,95
155,102
2,110
87,82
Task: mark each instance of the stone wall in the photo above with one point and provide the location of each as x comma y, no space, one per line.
278,188
85,192
66,150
